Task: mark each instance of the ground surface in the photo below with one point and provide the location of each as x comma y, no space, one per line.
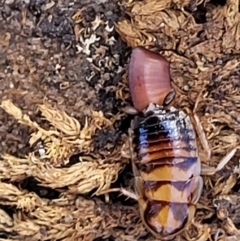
62,89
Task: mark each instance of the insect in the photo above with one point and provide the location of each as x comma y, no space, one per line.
165,160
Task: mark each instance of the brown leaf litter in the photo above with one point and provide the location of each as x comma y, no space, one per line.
90,173
60,142
55,107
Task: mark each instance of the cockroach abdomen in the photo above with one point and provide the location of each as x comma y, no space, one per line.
167,158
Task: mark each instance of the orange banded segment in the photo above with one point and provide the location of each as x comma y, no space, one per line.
178,161
166,153
147,148
182,171
172,191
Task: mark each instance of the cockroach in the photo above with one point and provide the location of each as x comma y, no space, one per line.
166,165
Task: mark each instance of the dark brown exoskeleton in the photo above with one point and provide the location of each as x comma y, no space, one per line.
165,158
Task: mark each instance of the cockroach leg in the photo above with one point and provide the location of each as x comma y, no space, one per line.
198,184
199,127
130,110
138,179
138,187
122,191
202,137
125,154
137,176
206,170
134,167
129,194
198,98
134,123
125,150
133,126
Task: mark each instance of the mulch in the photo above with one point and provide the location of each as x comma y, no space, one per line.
63,131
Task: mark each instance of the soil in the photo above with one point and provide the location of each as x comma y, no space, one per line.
70,58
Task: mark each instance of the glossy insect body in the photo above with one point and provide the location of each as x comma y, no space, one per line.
168,182
167,168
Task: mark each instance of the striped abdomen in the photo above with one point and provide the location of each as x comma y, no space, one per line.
170,169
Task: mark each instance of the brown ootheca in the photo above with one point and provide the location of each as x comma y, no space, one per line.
163,149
